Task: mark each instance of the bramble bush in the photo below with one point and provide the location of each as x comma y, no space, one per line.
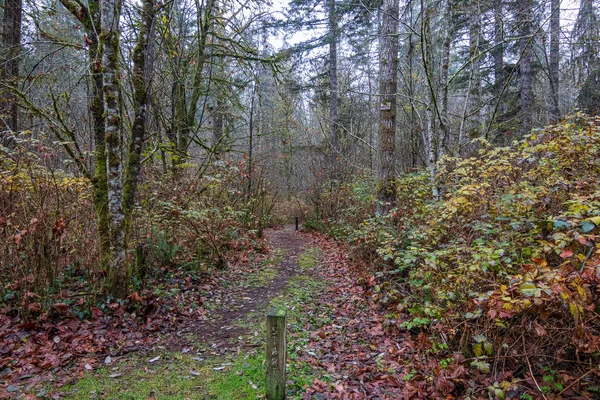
202,222
46,228
508,262
199,218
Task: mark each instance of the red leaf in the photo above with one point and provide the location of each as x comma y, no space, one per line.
566,253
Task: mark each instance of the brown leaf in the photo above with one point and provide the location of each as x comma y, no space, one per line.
539,329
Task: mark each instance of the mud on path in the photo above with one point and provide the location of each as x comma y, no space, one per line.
222,330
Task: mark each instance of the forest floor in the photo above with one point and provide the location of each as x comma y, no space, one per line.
340,345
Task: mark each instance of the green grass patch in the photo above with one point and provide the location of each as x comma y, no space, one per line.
310,258
262,277
275,257
175,376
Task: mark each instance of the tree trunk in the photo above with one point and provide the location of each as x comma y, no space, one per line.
526,78
9,72
99,181
251,140
217,123
474,118
429,133
388,66
141,87
109,22
498,55
333,91
445,137
553,68
205,25
90,19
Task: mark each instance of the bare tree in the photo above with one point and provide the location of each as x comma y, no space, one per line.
388,69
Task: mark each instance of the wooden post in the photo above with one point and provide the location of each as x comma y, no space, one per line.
276,354
296,223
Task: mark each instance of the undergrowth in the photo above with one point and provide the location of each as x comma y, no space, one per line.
505,267
196,219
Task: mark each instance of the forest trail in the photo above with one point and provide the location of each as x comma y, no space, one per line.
222,329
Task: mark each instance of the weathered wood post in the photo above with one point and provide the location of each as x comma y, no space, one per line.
296,223
276,354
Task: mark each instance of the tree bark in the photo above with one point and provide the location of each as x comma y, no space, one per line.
9,72
90,19
429,133
333,91
141,86
445,137
388,66
109,22
553,67
526,77
474,118
498,55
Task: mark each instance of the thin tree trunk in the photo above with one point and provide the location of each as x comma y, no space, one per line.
498,55
141,86
251,141
333,90
200,60
526,78
445,137
217,122
9,67
553,68
109,21
99,181
388,62
474,118
429,134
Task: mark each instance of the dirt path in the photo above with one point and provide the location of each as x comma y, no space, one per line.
233,304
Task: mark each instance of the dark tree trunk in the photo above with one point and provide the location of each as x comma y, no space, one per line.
109,22
333,90
9,72
498,55
90,19
526,77
474,119
553,68
388,87
142,64
448,29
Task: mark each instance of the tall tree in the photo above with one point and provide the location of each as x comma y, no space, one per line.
142,67
498,56
333,87
388,69
553,67
109,23
474,93
525,16
89,17
586,39
9,67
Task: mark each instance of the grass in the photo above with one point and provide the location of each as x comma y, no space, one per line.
310,258
182,376
262,277
176,376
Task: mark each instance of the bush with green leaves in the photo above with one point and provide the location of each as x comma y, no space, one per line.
512,246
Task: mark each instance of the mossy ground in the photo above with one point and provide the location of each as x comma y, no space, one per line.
202,375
